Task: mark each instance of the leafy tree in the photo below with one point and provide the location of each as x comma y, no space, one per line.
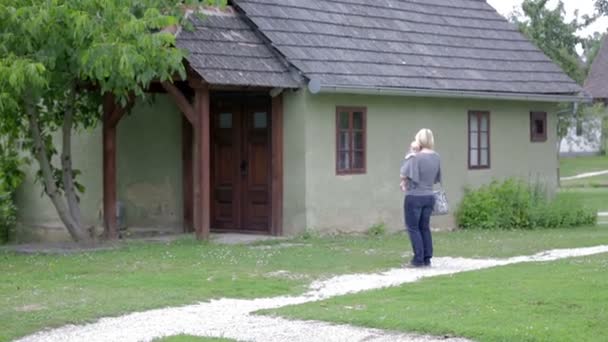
591,47
555,36
57,58
602,7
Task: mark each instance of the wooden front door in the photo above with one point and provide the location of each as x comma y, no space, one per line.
241,157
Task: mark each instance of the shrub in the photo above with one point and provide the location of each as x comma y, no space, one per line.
11,177
513,204
8,216
378,229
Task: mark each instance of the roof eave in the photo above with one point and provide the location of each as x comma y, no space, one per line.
413,92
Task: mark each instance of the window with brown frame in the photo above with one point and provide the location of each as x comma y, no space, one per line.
538,126
479,140
350,140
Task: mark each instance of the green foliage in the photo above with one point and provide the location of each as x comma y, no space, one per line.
602,7
556,37
11,177
310,234
58,57
8,215
513,204
378,229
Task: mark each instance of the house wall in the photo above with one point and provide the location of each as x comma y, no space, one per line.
333,203
149,163
149,175
589,143
295,109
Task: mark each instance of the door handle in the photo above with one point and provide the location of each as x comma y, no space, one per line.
244,168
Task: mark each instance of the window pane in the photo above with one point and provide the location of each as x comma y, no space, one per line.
358,162
358,120
473,157
359,140
344,161
260,120
474,140
225,120
344,117
484,122
473,123
484,154
344,141
484,140
539,127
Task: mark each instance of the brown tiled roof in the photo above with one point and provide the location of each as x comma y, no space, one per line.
225,50
459,45
597,81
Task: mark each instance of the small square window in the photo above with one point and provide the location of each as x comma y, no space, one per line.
260,120
350,140
538,126
225,120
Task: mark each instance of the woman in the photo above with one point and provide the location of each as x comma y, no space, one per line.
418,176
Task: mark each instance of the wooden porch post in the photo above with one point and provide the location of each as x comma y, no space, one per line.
187,175
277,166
112,113
202,159
109,171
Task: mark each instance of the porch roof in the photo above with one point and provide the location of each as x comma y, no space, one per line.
226,51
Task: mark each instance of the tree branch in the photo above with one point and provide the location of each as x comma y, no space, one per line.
47,174
66,159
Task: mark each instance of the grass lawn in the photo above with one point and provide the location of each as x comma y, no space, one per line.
594,198
572,166
188,338
557,301
40,291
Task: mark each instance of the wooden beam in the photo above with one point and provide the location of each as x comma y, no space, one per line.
118,111
277,165
187,175
203,160
180,100
109,169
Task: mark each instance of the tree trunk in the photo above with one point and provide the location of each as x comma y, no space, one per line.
50,188
66,161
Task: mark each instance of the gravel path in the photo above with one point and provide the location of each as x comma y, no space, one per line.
232,318
585,175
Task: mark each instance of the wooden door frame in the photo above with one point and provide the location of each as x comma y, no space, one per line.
276,157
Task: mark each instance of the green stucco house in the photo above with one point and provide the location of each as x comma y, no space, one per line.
297,113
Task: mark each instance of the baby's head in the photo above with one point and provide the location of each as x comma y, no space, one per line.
415,147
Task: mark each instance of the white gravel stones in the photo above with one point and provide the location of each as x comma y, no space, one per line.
585,175
232,318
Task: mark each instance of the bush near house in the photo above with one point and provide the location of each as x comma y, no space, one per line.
10,178
513,204
8,216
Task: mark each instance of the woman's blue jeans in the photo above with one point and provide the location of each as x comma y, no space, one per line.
417,211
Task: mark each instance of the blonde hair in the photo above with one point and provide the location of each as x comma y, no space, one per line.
425,138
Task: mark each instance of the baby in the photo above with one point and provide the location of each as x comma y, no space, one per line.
414,148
